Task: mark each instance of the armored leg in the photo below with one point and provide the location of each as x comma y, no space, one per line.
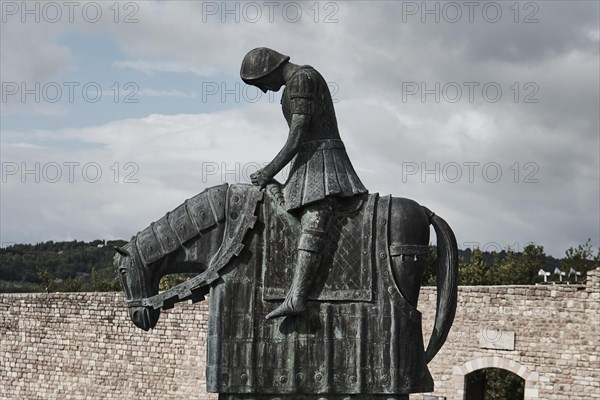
315,225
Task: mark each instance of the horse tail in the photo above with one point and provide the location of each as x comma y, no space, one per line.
447,283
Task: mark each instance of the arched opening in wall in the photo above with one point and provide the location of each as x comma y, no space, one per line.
494,384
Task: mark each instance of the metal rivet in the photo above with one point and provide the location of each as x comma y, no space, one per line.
382,255
384,378
244,377
364,252
391,289
300,376
283,379
235,199
352,379
318,376
382,222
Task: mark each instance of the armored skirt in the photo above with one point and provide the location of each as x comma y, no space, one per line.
321,169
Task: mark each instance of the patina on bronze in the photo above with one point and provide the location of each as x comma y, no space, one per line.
321,172
353,331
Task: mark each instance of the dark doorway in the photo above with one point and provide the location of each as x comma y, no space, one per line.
494,384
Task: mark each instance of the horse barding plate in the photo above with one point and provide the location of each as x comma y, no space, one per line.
342,344
346,270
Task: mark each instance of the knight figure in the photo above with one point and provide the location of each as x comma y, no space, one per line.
321,171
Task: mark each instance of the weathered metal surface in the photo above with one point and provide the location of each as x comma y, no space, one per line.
241,204
346,347
346,269
336,347
348,263
240,210
201,212
151,254
182,224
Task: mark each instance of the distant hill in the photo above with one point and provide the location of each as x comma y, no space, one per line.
488,257
58,266
87,266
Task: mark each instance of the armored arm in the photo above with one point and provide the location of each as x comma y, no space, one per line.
301,89
298,126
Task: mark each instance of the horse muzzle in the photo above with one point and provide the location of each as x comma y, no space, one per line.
144,317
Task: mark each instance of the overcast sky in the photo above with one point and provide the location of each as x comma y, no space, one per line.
485,112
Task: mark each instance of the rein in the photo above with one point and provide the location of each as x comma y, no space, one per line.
184,291
232,245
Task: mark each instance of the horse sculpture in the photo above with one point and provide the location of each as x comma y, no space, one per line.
361,332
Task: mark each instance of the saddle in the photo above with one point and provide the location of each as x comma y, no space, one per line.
346,270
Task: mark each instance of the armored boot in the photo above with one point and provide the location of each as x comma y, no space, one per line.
315,224
295,301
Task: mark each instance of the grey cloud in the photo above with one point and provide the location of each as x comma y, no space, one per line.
369,54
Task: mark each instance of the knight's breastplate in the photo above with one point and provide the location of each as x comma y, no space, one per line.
323,124
359,334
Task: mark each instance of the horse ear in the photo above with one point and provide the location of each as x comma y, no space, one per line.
121,251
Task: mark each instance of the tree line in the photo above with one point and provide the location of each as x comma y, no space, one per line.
72,266
75,266
509,267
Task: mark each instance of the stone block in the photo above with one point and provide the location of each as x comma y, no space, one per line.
496,339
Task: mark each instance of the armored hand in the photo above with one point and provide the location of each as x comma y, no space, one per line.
259,178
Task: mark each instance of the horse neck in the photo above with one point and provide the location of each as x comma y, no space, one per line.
193,257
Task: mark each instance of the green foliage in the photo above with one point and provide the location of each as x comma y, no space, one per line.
71,285
581,258
169,281
504,268
521,269
508,267
80,266
104,284
58,266
495,384
430,272
474,271
46,279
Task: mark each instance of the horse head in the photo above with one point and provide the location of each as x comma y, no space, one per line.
139,283
183,241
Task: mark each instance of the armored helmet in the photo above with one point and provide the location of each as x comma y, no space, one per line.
260,62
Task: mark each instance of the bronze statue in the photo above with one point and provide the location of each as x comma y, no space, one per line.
321,170
359,336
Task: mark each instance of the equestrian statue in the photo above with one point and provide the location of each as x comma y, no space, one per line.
312,284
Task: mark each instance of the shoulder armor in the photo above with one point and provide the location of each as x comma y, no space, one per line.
303,84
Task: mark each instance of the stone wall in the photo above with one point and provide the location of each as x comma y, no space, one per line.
547,334
83,345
